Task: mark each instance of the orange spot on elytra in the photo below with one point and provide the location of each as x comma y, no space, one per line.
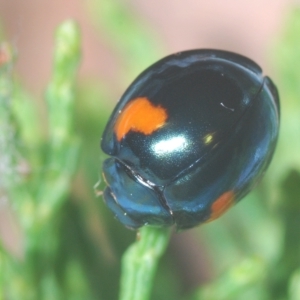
223,203
140,115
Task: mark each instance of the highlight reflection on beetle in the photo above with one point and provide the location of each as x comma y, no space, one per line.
166,147
191,136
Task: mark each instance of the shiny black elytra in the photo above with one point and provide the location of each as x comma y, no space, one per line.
190,137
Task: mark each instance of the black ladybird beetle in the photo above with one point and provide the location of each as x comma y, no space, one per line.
189,138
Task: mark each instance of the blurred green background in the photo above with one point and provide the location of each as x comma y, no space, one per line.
58,240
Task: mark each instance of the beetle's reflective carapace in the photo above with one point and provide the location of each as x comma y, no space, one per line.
190,137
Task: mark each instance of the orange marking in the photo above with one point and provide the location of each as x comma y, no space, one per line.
223,203
140,115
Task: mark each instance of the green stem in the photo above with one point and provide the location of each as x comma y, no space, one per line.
140,261
63,147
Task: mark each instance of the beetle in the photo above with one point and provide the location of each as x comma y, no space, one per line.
191,136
